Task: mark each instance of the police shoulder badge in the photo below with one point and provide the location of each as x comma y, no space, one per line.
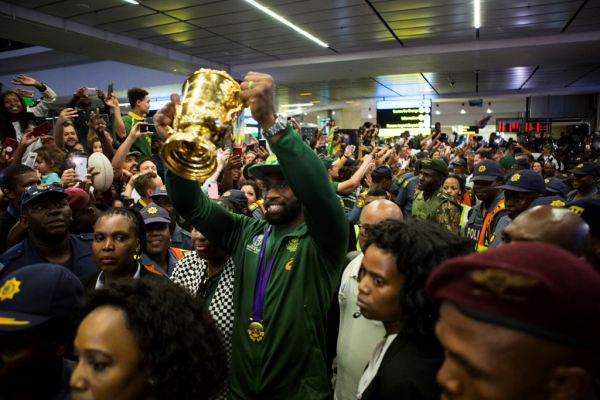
9,289
515,177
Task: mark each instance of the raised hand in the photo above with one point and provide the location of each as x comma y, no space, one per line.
67,114
27,137
111,101
25,80
258,92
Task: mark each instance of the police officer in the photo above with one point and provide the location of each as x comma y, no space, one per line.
433,204
488,218
180,238
37,311
46,215
556,194
589,210
159,250
585,176
521,189
407,185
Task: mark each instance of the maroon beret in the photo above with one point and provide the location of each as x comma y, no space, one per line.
532,287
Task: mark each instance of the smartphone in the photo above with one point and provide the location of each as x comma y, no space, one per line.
80,164
262,143
42,129
148,128
10,145
90,92
30,160
237,151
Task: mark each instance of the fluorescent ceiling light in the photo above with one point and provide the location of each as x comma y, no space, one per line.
297,105
132,2
477,13
286,22
306,94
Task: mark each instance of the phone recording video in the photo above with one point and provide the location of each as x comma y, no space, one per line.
79,162
148,128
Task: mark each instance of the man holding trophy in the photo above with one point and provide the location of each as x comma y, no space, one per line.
288,265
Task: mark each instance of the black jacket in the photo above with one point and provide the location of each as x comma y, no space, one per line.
407,371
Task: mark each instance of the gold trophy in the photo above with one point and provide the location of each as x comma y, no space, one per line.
209,113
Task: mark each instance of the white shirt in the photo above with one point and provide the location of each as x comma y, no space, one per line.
357,337
100,280
374,364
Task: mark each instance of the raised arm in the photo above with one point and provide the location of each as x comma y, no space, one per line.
118,124
66,115
125,147
303,170
163,119
48,95
348,186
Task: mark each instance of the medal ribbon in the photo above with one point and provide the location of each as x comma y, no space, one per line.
262,278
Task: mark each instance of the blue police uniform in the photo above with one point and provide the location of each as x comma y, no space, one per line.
408,184
81,263
181,238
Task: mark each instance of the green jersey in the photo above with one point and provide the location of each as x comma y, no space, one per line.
290,362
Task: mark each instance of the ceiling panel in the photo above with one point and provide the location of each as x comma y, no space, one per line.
203,9
179,37
138,23
592,78
70,8
164,5
160,31
114,14
557,76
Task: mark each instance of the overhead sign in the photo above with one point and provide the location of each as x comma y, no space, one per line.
396,117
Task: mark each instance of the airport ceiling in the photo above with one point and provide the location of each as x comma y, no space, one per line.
377,49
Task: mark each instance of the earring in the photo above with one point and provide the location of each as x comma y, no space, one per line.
136,257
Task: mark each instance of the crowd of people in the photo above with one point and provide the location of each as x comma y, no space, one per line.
309,268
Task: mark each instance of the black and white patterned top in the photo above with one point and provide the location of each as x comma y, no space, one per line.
191,273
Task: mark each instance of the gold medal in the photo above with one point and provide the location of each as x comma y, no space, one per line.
256,331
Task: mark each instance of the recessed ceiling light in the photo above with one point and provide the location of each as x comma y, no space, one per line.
287,23
132,2
370,116
174,69
462,110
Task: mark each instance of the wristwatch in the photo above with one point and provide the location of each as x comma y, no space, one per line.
279,126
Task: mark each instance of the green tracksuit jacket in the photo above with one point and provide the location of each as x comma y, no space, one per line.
290,362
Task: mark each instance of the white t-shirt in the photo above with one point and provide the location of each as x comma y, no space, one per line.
374,364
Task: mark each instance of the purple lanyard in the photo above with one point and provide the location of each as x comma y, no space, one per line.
262,278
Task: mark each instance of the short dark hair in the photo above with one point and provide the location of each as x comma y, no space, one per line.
179,342
145,182
136,219
484,153
419,247
378,192
135,94
9,179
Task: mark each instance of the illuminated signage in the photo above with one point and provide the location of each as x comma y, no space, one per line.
396,117
518,125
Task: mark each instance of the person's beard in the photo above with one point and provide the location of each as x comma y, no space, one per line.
290,211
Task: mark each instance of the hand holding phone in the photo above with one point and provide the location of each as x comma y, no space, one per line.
42,129
10,145
148,128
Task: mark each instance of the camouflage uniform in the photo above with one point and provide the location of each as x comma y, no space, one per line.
440,209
